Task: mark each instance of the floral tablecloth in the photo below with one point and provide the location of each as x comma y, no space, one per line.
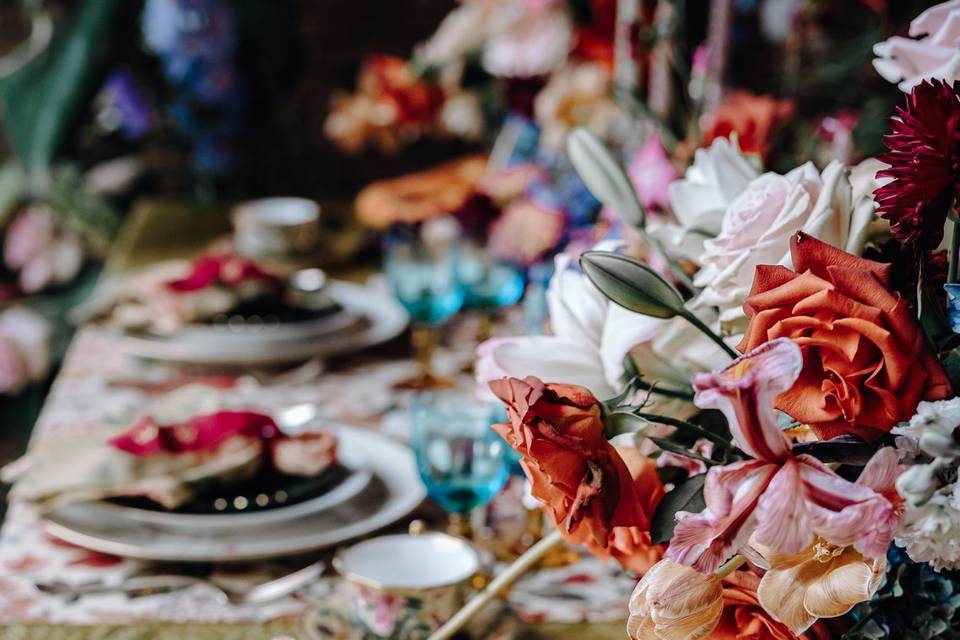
98,383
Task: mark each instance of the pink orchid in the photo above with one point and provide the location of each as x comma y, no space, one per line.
781,498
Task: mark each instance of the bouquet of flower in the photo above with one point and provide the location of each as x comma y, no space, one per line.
752,403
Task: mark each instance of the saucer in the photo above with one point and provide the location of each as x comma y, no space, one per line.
331,619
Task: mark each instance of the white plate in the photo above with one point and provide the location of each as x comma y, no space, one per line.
383,320
393,492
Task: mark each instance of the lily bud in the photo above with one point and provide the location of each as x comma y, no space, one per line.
674,602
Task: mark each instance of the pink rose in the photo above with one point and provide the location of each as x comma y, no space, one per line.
757,227
933,51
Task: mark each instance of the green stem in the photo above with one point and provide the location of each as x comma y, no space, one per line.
670,393
730,566
954,250
705,330
716,438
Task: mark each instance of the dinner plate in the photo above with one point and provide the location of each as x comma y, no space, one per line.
393,491
351,486
370,316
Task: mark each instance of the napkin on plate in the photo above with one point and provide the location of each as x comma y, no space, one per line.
167,296
183,441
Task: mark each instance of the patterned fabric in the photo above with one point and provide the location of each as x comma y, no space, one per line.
97,383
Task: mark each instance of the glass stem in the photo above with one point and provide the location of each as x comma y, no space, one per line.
424,337
459,525
487,321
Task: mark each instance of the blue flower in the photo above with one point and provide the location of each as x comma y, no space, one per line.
953,305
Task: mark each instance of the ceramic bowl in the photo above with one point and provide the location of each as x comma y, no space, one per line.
406,586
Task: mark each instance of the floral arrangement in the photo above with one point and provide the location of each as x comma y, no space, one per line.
750,398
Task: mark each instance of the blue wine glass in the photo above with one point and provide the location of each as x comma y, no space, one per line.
489,284
461,460
421,265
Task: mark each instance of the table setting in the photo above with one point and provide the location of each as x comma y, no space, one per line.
220,487
494,319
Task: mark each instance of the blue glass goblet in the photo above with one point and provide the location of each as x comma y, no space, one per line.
461,460
421,265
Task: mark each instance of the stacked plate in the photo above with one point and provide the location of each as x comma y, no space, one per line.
380,485
367,315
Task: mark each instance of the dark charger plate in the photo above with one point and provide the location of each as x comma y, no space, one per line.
266,489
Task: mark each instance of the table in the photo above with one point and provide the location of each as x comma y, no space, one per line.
97,381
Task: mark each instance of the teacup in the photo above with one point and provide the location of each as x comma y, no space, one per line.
404,587
276,227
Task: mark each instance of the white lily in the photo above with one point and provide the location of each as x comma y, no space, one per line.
591,339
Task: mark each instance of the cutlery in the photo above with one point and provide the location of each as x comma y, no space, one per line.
141,586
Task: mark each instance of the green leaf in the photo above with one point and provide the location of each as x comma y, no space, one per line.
688,428
42,100
604,176
686,496
632,285
620,422
679,449
12,187
846,449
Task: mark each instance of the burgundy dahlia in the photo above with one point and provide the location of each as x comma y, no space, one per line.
924,159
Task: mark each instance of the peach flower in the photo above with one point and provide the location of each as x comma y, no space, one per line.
591,493
866,362
753,118
744,618
674,602
822,581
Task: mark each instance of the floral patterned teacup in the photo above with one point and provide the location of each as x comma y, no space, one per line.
404,587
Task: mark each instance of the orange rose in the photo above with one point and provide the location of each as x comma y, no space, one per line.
753,118
866,362
744,619
593,496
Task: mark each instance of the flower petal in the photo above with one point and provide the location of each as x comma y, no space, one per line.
705,540
745,390
781,594
850,580
547,358
782,519
845,513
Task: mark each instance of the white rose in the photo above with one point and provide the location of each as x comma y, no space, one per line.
757,227
717,176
